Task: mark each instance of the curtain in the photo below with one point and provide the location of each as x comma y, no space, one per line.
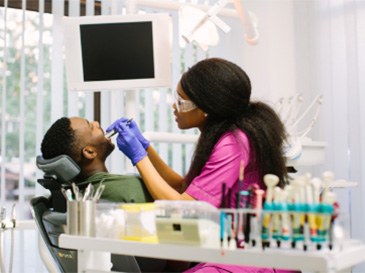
330,52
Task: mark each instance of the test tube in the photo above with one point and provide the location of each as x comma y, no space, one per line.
222,218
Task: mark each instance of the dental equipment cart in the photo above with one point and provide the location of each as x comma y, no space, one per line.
339,260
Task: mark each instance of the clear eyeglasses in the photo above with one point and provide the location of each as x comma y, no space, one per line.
184,105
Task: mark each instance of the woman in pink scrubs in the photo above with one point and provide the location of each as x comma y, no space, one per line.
213,96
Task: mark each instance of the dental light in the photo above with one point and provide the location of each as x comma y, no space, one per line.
189,19
201,27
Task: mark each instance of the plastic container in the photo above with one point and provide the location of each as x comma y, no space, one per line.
140,222
109,220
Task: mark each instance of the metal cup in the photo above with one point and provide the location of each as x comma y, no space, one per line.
73,217
87,218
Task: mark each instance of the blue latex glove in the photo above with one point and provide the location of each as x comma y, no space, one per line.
129,144
134,128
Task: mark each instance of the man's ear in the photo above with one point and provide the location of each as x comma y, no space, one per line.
89,152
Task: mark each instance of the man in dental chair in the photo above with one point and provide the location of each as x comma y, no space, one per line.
87,145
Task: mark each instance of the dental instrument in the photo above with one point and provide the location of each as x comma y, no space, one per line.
325,219
222,218
76,191
270,181
255,227
113,132
250,204
285,218
299,207
276,219
88,192
98,192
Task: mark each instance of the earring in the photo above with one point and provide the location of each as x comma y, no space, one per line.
205,114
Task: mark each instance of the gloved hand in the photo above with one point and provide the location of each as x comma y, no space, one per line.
129,144
134,128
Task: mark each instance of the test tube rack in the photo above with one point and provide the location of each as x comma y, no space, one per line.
279,225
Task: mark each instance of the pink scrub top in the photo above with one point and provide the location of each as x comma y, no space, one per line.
223,166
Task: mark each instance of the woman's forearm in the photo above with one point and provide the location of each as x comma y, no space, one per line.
169,175
156,185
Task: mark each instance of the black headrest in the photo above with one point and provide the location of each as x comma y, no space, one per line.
62,167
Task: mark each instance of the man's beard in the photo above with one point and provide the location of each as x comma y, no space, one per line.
108,148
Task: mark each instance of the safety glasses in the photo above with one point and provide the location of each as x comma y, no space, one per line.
183,105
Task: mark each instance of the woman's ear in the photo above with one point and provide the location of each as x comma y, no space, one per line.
89,152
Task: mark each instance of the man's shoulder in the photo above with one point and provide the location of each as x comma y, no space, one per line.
125,188
110,177
125,178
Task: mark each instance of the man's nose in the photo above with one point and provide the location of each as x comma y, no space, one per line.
174,106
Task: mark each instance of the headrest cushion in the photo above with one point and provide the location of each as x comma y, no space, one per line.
63,167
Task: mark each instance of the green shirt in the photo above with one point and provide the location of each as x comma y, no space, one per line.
120,188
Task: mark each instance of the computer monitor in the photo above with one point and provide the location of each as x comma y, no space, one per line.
117,52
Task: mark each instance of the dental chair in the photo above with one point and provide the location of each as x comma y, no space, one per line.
49,214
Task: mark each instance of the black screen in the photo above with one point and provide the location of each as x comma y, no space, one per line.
117,51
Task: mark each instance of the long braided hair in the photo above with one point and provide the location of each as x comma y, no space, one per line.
222,90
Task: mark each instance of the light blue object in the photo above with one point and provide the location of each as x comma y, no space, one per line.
222,218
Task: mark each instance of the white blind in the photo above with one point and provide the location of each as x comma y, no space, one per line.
40,91
3,104
150,107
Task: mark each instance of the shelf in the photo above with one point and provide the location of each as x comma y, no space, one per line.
352,253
